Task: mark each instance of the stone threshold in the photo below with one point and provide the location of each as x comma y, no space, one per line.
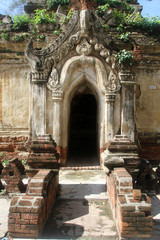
81,168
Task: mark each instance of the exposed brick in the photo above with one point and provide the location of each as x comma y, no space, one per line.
27,197
10,221
137,195
25,203
38,202
14,215
128,208
122,199
21,221
129,219
147,209
14,201
29,216
133,214
33,221
145,219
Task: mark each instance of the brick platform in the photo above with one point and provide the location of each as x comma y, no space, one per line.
29,213
131,209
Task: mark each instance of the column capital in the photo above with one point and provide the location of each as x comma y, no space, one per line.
110,97
127,77
57,95
39,77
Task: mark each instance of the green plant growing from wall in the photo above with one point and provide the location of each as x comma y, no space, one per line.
125,36
68,17
150,25
5,36
24,161
18,38
52,4
120,17
5,162
123,6
3,191
125,57
57,32
41,16
20,23
102,9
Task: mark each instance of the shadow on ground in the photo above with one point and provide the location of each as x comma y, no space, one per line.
82,211
59,223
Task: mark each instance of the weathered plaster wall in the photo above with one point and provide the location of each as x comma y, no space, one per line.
147,103
15,95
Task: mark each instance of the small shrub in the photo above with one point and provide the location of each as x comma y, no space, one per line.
41,16
3,191
106,27
120,17
18,38
40,37
121,28
68,17
5,36
57,32
125,36
24,161
123,6
125,57
150,25
102,9
5,162
131,1
52,4
20,23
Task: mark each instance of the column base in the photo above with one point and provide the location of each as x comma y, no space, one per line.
121,152
43,153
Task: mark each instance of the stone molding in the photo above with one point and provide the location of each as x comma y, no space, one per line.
57,95
127,77
110,97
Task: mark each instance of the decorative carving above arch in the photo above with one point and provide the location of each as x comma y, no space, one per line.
84,48
78,38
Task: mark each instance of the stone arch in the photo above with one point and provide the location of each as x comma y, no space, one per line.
76,71
84,64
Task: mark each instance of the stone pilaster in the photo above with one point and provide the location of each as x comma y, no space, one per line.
109,119
127,105
57,98
38,109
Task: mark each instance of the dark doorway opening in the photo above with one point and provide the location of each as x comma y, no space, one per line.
83,131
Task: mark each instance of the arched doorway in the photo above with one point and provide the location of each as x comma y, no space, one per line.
83,149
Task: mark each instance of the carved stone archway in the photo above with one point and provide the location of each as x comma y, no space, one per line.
77,56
